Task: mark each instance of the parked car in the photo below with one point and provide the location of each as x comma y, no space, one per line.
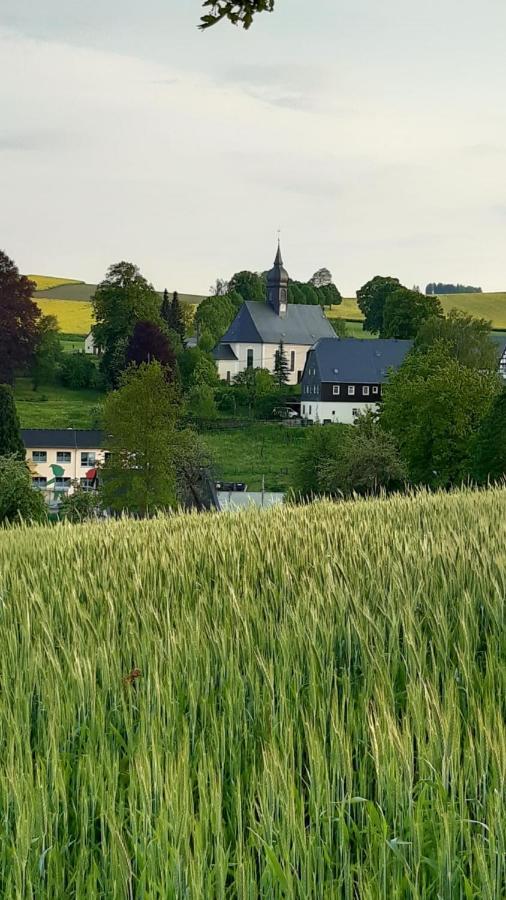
284,412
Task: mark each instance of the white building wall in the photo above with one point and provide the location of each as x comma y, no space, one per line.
264,356
344,413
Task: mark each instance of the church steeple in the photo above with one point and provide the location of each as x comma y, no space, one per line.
277,285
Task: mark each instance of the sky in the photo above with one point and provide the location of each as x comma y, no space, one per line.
372,134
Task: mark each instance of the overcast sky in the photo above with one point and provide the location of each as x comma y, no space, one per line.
372,133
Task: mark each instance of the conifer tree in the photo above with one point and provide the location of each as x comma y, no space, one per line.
177,316
10,437
166,309
281,366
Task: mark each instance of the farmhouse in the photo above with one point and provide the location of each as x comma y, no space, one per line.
500,343
343,378
256,332
62,457
90,346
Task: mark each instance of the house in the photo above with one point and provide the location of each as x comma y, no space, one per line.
253,338
343,378
90,346
500,342
61,457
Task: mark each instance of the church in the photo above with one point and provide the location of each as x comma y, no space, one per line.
254,336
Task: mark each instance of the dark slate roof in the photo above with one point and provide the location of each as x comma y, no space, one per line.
354,360
257,323
61,439
224,351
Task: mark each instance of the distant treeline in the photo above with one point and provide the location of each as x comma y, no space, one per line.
440,288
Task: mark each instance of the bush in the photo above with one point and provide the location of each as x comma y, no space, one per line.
18,499
78,371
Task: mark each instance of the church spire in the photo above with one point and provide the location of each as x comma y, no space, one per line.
277,285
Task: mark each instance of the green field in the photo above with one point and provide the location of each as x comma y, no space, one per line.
246,454
54,406
305,703
491,306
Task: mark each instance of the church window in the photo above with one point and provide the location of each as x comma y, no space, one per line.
292,361
250,359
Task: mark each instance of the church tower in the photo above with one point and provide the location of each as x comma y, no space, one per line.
277,286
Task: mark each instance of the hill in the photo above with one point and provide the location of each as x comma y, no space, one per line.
43,282
305,703
491,306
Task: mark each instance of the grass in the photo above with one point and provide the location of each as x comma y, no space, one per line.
72,316
71,344
45,282
319,709
246,454
490,306
54,406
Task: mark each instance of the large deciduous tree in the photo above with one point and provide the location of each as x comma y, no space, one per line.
19,317
18,499
147,344
433,406
123,298
10,435
371,299
48,352
140,419
239,12
214,315
250,285
489,457
405,312
467,338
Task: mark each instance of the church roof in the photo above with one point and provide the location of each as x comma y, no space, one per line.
278,274
353,360
258,323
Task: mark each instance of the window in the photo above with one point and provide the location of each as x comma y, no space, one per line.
87,484
310,410
292,361
303,410
336,390
375,389
355,413
365,390
63,456
228,377
333,412
249,362
351,390
61,484
39,456
88,458
299,377
39,482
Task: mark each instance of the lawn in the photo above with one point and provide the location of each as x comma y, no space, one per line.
55,406
71,343
300,704
246,454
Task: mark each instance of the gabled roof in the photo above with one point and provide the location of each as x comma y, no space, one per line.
224,351
258,323
350,360
61,439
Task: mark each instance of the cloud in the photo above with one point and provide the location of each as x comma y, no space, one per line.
297,87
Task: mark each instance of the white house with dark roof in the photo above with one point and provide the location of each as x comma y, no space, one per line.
253,338
343,378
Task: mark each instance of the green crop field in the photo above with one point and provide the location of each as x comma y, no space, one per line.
301,703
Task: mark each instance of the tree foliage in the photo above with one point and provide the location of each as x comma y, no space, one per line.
433,406
438,287
371,299
147,344
123,298
489,457
10,435
18,499
78,371
256,389
320,444
238,12
19,317
281,366
214,315
468,339
48,352
405,312
249,285
80,506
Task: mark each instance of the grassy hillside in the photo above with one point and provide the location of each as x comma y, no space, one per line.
250,453
44,282
55,406
306,703
490,306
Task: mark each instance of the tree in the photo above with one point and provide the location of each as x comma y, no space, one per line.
440,288
255,386
433,406
281,366
219,288
320,444
239,12
10,435
215,314
489,456
371,299
77,371
177,316
339,326
80,506
405,312
123,298
321,278
366,461
166,309
18,499
149,343
468,339
197,367
249,285
201,402
48,352
19,316
140,418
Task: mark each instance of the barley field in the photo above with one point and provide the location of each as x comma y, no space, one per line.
304,703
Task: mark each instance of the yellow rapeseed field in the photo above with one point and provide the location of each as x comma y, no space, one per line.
45,282
73,317
301,704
